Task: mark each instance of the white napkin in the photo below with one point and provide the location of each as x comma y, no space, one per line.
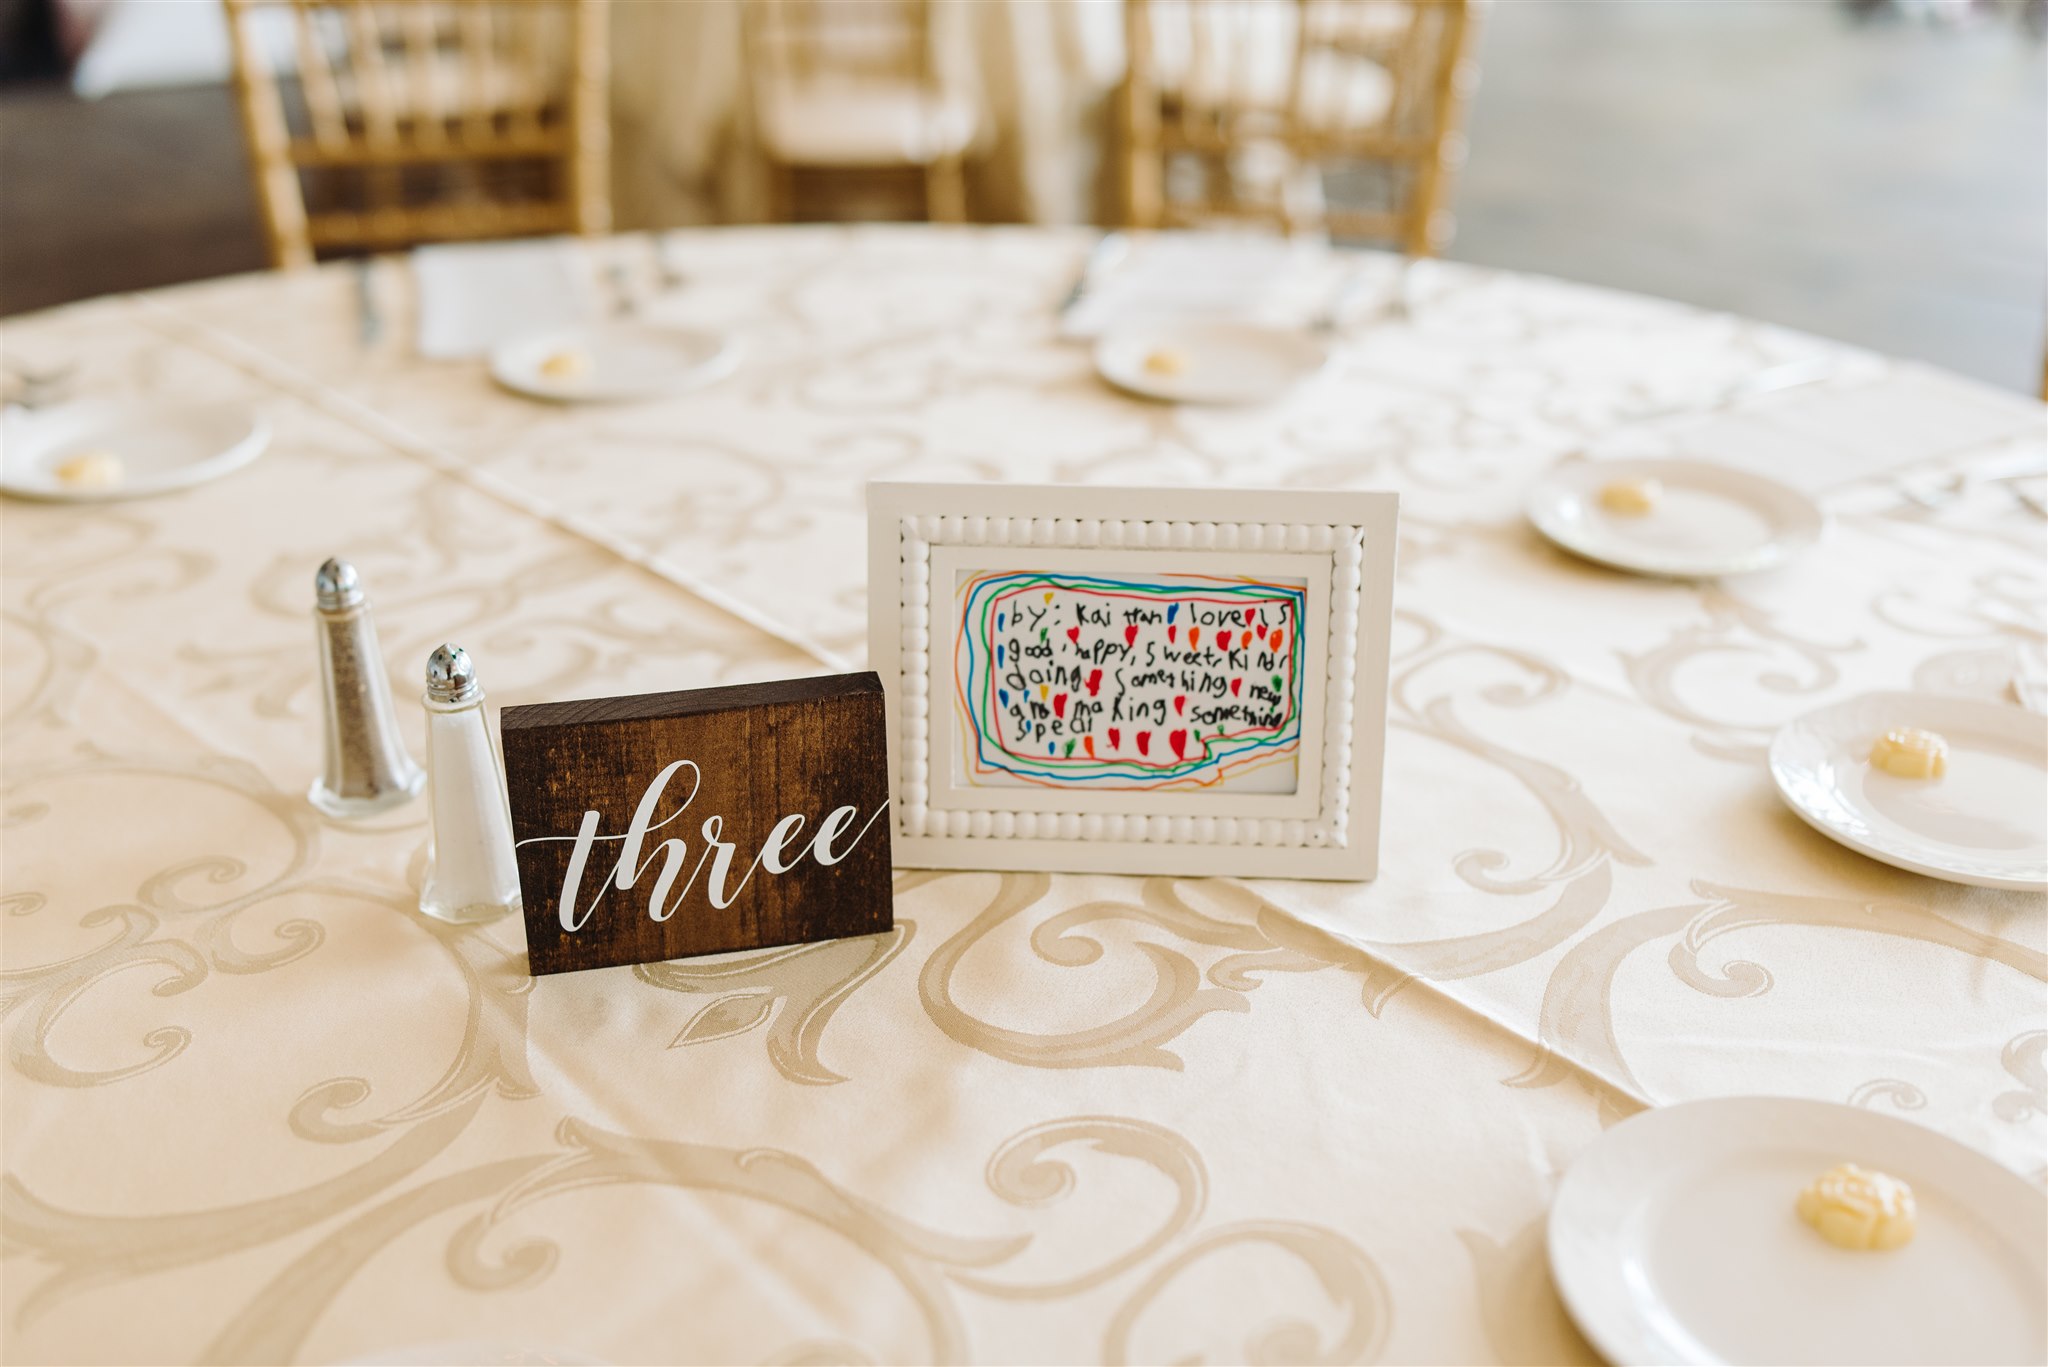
1822,437
2030,676
475,295
1187,277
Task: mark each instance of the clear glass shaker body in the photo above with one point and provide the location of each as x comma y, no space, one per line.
365,768
471,873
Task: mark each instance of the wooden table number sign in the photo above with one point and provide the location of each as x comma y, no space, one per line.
671,824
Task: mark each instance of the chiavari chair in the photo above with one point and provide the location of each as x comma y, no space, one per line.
850,91
413,121
1243,109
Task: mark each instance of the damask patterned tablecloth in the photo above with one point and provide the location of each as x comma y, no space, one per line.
256,1109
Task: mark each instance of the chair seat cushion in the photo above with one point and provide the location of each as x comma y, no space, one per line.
830,122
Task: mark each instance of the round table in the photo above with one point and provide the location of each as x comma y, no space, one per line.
257,1109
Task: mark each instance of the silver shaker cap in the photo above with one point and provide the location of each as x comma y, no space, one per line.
337,585
450,675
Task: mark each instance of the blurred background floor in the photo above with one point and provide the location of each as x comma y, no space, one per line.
142,188
1881,182
1885,182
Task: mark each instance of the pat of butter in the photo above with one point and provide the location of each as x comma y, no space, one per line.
1908,752
1167,361
1631,497
566,365
91,470
1859,1208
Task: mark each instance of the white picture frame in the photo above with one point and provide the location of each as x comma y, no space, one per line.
961,576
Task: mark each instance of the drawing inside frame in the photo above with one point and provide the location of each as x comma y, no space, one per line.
1131,682
1141,680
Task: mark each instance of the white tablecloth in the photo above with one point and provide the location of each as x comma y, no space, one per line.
256,1109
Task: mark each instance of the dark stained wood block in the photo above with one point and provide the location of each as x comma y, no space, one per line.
775,803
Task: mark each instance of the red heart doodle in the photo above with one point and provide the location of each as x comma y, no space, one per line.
1248,616
1116,738
1131,634
1260,631
1074,635
1171,632
1059,705
1094,681
1179,741
1144,742
1180,704
1236,687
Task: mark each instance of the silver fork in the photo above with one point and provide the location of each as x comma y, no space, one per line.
369,315
625,299
1399,306
27,386
1330,320
1108,252
673,277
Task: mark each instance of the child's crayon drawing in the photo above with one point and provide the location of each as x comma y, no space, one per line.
1180,682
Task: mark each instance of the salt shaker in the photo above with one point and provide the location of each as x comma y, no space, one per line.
366,768
471,873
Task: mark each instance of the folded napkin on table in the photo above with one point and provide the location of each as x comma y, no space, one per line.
1192,277
474,295
1821,437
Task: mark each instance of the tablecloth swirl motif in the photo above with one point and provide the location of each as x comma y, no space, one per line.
256,1110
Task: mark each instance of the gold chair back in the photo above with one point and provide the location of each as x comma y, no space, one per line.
424,120
1236,109
852,88
809,39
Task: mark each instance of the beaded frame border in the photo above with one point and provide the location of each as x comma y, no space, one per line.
1340,840
915,538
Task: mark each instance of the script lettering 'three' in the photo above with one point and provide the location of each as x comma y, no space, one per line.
781,851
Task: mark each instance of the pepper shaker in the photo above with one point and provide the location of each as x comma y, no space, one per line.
366,768
471,872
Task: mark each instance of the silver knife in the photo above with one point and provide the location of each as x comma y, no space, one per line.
1108,251
369,320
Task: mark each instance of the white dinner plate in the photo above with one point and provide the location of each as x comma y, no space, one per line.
1215,363
1675,1238
1983,822
625,360
1711,520
161,445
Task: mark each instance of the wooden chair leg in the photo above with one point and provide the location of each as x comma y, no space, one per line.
1137,102
1144,169
781,193
945,191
